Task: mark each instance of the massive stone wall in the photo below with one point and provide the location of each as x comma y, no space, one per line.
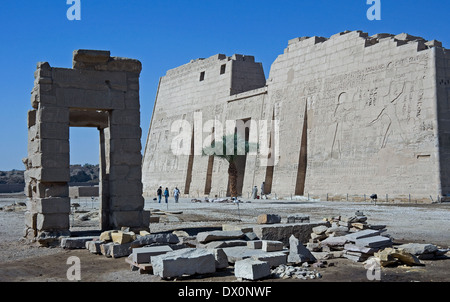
355,114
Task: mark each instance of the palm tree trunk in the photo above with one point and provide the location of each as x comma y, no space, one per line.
232,174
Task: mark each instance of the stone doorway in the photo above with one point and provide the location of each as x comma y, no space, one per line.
99,91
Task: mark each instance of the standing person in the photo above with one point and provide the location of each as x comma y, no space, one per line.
166,194
176,194
159,193
262,188
255,192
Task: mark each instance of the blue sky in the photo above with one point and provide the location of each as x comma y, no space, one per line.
165,34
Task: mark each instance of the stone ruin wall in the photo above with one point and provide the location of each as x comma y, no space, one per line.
358,114
102,92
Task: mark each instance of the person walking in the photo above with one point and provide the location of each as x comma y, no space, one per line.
176,194
255,192
166,194
159,193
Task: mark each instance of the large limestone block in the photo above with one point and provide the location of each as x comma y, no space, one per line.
251,269
76,242
188,261
52,205
167,238
52,221
362,234
144,254
204,237
282,232
273,259
123,237
271,245
374,242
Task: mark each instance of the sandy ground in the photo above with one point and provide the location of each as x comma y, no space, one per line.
20,262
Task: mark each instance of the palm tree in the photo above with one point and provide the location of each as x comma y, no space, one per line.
221,149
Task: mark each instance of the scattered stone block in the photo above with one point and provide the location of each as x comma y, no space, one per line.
271,245
250,236
319,230
335,242
337,230
220,257
419,249
297,218
144,254
144,233
298,253
76,242
204,237
94,246
187,261
105,249
234,227
268,219
166,238
362,234
222,244
251,269
374,241
106,235
273,259
123,237
282,232
254,244
355,256
120,250
361,249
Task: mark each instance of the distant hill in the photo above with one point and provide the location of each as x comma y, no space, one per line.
86,173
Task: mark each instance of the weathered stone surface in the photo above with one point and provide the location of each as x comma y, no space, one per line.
94,246
222,244
144,254
204,237
334,242
374,241
273,259
271,245
251,269
120,250
297,218
298,252
188,261
254,244
319,230
361,249
418,248
282,232
358,83
76,242
268,219
123,237
155,238
221,258
362,234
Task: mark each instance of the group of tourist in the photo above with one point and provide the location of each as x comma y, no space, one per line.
160,193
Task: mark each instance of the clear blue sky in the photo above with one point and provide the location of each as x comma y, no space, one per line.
165,34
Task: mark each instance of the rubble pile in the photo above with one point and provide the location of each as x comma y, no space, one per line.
253,254
295,272
349,237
